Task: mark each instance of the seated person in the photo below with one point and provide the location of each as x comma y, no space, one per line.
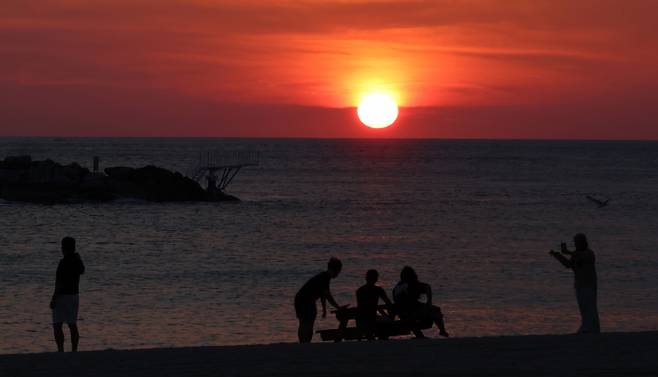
406,295
367,298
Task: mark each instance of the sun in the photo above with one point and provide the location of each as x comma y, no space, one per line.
377,110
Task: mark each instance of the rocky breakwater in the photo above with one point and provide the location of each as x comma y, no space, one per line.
22,179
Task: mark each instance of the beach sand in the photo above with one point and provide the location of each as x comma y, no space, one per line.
613,354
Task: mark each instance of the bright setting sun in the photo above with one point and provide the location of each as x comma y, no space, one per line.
377,110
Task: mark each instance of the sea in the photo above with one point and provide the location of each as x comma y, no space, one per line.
475,218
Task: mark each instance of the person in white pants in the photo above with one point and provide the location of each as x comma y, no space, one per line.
65,300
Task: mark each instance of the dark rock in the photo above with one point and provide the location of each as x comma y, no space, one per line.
120,172
17,162
155,184
46,181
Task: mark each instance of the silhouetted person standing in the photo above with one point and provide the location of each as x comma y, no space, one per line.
65,301
367,299
316,288
406,295
582,262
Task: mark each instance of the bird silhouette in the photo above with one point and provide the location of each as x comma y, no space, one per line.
599,203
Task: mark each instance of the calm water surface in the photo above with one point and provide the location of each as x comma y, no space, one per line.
476,219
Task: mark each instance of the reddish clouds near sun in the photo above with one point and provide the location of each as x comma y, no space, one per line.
471,69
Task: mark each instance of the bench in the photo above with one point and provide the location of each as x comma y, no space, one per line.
383,329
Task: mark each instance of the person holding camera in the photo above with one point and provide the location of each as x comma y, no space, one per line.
582,262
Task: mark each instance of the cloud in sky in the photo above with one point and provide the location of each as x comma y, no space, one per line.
207,59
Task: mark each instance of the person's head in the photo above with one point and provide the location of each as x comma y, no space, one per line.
372,276
580,240
408,275
68,245
334,266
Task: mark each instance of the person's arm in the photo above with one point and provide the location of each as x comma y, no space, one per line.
568,263
53,299
323,301
389,304
385,298
81,266
327,295
428,293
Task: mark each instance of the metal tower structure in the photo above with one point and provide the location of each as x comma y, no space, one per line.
218,168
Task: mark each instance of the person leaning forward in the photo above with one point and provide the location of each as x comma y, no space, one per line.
305,299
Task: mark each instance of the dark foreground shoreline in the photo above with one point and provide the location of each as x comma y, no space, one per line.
612,354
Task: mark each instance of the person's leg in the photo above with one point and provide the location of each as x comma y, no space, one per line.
437,317
413,320
419,334
305,330
589,311
59,336
73,323
595,308
368,326
75,337
306,313
362,326
581,309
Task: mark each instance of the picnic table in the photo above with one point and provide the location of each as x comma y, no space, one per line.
384,328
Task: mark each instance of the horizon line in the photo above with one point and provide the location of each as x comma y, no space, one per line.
321,138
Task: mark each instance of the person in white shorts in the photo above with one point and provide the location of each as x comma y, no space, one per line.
65,300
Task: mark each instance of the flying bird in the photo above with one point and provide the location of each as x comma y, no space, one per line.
599,203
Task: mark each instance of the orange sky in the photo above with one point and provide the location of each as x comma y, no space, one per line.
472,69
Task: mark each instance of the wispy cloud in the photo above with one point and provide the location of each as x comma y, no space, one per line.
324,52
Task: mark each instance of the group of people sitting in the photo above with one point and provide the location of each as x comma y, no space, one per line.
406,304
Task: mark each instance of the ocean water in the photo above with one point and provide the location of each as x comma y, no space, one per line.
475,218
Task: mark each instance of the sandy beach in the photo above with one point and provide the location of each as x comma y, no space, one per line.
613,354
